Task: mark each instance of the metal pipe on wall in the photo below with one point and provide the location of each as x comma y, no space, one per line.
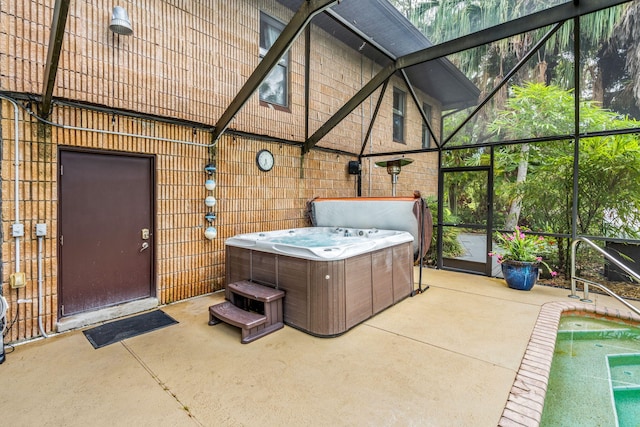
16,195
16,181
116,133
40,280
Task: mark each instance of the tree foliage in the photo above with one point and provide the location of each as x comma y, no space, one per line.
534,182
608,166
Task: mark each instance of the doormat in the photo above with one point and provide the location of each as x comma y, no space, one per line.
119,330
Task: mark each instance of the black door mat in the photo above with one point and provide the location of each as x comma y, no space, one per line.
119,330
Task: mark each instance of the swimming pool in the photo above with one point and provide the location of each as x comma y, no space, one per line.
526,399
580,384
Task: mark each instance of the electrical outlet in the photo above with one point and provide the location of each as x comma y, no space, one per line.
41,230
18,280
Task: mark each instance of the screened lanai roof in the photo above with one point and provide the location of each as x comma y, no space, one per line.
380,32
385,35
377,29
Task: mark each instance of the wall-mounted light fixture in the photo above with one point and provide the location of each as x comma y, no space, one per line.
120,23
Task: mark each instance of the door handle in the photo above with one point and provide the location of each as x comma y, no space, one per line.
145,245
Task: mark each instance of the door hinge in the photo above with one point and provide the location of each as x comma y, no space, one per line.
61,170
61,240
62,309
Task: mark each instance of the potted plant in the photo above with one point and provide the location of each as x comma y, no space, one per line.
520,257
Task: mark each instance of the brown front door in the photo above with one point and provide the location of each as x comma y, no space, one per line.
105,230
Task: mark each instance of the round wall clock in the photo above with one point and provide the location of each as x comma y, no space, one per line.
264,160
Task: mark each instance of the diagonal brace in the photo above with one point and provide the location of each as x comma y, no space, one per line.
58,23
527,23
308,9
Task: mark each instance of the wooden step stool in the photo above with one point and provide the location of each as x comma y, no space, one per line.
255,309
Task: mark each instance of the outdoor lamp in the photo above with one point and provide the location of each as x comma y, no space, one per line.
393,168
210,201
210,184
120,23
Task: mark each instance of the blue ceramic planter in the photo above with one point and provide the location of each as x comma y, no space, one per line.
519,274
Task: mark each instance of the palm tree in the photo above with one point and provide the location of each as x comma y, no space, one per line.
619,65
603,36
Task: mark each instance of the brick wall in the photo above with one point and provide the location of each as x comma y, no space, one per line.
185,61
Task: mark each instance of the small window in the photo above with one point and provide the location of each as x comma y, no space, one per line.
398,115
274,88
426,136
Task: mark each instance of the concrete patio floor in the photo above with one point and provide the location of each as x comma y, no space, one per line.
447,357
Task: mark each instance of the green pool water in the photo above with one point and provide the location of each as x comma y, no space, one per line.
595,374
627,407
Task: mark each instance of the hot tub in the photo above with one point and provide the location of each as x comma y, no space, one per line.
333,277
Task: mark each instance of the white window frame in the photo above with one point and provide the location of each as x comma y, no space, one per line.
426,135
274,89
399,109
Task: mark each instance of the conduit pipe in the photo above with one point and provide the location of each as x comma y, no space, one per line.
16,182
40,280
16,200
116,133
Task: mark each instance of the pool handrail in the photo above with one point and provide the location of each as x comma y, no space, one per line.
587,282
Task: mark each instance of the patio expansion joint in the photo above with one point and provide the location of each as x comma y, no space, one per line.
439,347
489,297
526,398
157,379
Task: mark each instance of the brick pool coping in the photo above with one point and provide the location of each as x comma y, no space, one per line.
526,399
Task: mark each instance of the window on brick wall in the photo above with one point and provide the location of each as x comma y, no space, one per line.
274,88
426,136
398,114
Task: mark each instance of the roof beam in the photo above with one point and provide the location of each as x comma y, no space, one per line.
58,24
355,30
308,9
517,26
521,25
